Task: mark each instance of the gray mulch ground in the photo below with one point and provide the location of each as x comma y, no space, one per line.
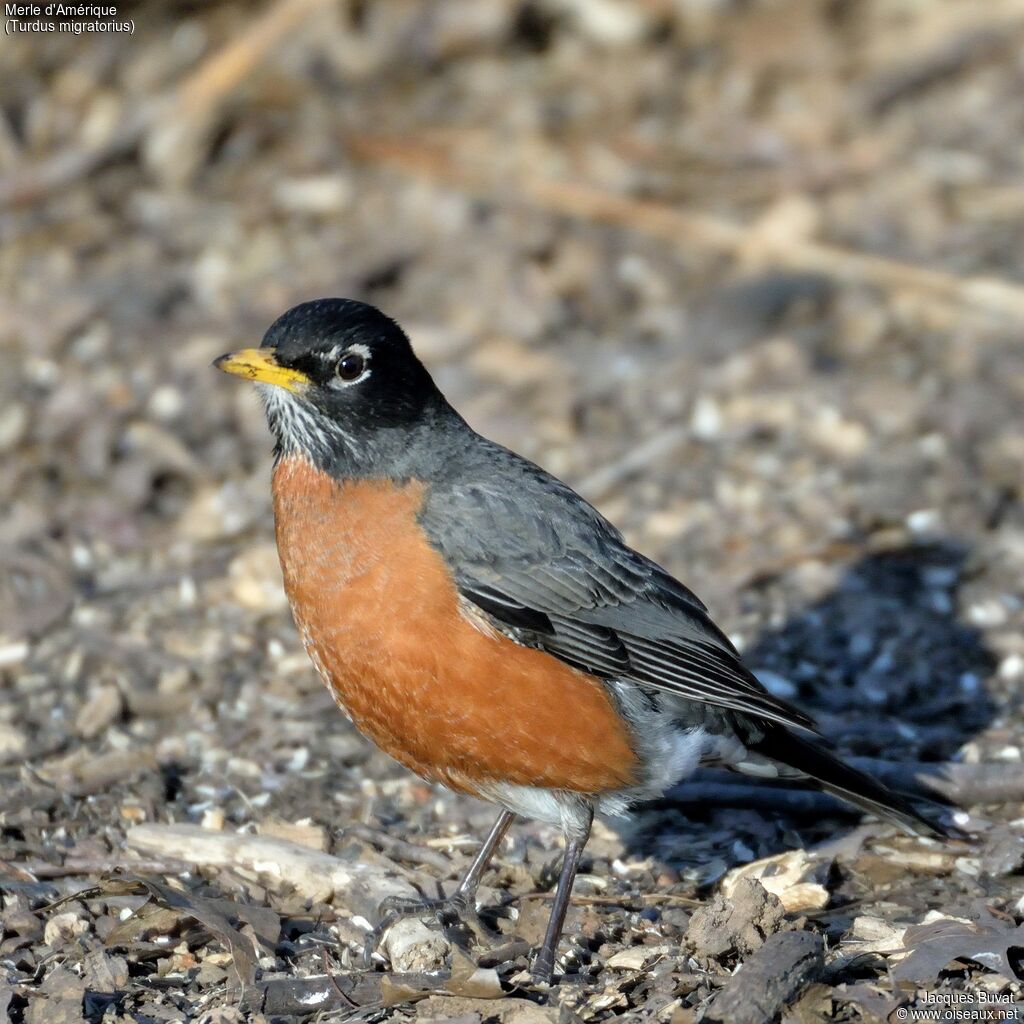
831,453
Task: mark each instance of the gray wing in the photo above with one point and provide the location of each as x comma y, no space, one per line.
548,570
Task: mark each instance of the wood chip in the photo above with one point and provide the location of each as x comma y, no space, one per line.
789,875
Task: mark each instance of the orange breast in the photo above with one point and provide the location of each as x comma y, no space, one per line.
452,699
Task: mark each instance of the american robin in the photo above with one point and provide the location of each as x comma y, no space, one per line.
482,623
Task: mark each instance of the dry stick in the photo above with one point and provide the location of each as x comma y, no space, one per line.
173,144
964,784
329,974
399,849
100,866
192,104
915,72
222,73
607,479
26,185
687,228
278,864
633,901
274,863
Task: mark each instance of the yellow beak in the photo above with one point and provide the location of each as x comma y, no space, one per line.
260,364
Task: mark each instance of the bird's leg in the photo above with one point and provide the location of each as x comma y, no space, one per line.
461,902
544,965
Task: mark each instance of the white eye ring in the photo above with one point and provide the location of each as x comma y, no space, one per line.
352,367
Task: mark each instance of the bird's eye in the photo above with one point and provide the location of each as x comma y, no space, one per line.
351,366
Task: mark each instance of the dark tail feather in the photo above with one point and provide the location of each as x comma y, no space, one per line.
812,759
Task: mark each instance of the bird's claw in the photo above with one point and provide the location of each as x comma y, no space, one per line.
446,910
405,906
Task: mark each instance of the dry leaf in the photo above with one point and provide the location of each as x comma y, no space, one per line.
991,942
638,957
213,914
790,876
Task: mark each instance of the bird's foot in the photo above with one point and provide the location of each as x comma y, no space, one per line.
459,908
446,909
543,969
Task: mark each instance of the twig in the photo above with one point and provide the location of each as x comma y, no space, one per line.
329,973
274,863
635,902
963,784
277,864
605,480
399,849
99,773
226,69
917,72
298,997
97,866
689,229
26,185
174,144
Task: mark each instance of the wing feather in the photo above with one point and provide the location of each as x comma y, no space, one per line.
550,571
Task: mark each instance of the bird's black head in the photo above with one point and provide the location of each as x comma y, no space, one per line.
341,384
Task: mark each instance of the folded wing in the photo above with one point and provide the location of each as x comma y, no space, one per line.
557,576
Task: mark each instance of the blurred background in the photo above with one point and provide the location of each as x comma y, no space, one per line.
746,273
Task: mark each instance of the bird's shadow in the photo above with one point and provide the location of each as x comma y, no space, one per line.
886,666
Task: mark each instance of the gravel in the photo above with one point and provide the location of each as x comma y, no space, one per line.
833,462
